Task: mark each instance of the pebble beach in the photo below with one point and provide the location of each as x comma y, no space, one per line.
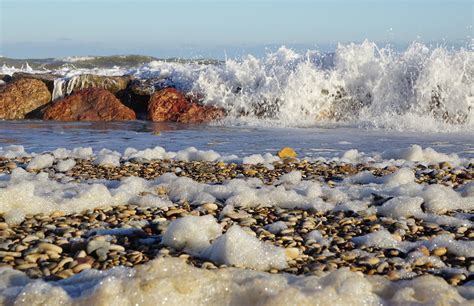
379,237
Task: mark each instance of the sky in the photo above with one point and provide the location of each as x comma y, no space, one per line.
179,28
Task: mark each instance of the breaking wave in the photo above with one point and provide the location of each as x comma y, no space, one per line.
418,88
427,88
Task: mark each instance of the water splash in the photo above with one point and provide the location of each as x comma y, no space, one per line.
428,88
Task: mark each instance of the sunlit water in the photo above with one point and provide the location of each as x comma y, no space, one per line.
327,141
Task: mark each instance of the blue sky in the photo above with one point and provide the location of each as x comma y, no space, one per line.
53,28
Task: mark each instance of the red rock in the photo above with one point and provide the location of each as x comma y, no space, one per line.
21,97
171,105
92,104
201,114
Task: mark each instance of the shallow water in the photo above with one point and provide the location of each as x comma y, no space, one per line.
325,141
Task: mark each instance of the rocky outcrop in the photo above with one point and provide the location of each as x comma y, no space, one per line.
171,105
92,104
22,96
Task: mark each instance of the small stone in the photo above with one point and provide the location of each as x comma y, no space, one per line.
250,172
287,152
9,254
81,267
45,246
3,226
393,275
439,251
210,206
97,244
81,254
116,248
423,250
11,165
372,261
65,273
26,266
292,253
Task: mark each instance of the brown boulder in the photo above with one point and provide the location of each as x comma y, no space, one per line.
92,104
22,96
171,105
46,78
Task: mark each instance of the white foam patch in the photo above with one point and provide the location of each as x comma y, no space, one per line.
107,158
65,165
13,151
40,162
264,159
24,193
171,281
236,247
384,239
156,153
416,153
402,207
192,234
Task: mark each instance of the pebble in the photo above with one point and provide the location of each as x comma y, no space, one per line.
439,251
292,253
210,206
44,246
81,267
65,249
423,250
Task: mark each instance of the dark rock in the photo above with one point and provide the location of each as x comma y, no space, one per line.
139,92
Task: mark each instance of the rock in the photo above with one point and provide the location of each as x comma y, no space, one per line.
45,246
210,206
81,267
46,78
113,84
292,253
287,152
21,97
423,250
439,251
91,104
5,78
372,261
171,105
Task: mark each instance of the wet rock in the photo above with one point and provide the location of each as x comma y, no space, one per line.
113,84
5,78
139,91
91,104
171,105
46,78
20,97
